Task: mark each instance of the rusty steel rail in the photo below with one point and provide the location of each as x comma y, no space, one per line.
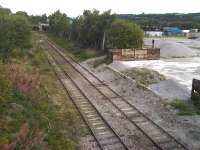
158,145
96,110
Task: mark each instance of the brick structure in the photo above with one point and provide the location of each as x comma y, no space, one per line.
136,54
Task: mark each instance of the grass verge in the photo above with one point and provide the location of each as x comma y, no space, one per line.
185,107
35,112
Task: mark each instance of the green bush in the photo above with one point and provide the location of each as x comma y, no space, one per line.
125,34
15,33
5,86
183,107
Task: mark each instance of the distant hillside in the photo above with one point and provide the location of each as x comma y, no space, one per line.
158,21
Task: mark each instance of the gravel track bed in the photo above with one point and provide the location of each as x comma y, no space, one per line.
185,128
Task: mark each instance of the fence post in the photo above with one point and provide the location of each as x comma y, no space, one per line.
192,90
195,92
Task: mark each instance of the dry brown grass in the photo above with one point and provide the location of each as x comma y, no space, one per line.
24,80
21,137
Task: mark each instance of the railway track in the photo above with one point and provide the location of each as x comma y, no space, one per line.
105,136
158,136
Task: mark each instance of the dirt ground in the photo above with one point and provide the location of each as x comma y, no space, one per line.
184,128
179,73
176,47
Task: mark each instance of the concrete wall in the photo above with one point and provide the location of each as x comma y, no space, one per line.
136,54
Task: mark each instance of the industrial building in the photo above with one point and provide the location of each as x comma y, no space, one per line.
172,31
153,33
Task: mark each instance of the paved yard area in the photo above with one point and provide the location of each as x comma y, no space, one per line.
178,71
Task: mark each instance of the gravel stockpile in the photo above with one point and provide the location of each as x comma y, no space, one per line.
144,76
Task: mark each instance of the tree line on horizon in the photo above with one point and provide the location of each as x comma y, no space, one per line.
158,21
92,29
97,30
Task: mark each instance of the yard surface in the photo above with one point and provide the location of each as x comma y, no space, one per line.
179,72
178,118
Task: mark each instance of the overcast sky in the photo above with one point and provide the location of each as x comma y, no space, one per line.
74,8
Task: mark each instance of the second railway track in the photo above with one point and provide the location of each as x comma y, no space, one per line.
104,135
160,138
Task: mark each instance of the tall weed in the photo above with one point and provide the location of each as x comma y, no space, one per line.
24,80
5,85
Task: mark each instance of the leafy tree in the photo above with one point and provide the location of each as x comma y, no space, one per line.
21,13
5,11
76,28
95,30
125,34
22,31
59,24
15,32
89,29
37,19
106,22
6,35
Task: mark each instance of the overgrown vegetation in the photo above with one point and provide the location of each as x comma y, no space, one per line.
34,110
59,24
15,33
96,30
105,60
124,34
76,52
185,107
90,29
144,75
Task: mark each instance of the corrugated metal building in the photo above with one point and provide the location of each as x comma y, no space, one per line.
172,31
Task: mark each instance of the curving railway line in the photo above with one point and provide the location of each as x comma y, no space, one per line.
73,76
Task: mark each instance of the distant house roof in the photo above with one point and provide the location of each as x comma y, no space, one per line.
172,29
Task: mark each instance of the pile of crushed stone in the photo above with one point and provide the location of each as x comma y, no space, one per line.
144,75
